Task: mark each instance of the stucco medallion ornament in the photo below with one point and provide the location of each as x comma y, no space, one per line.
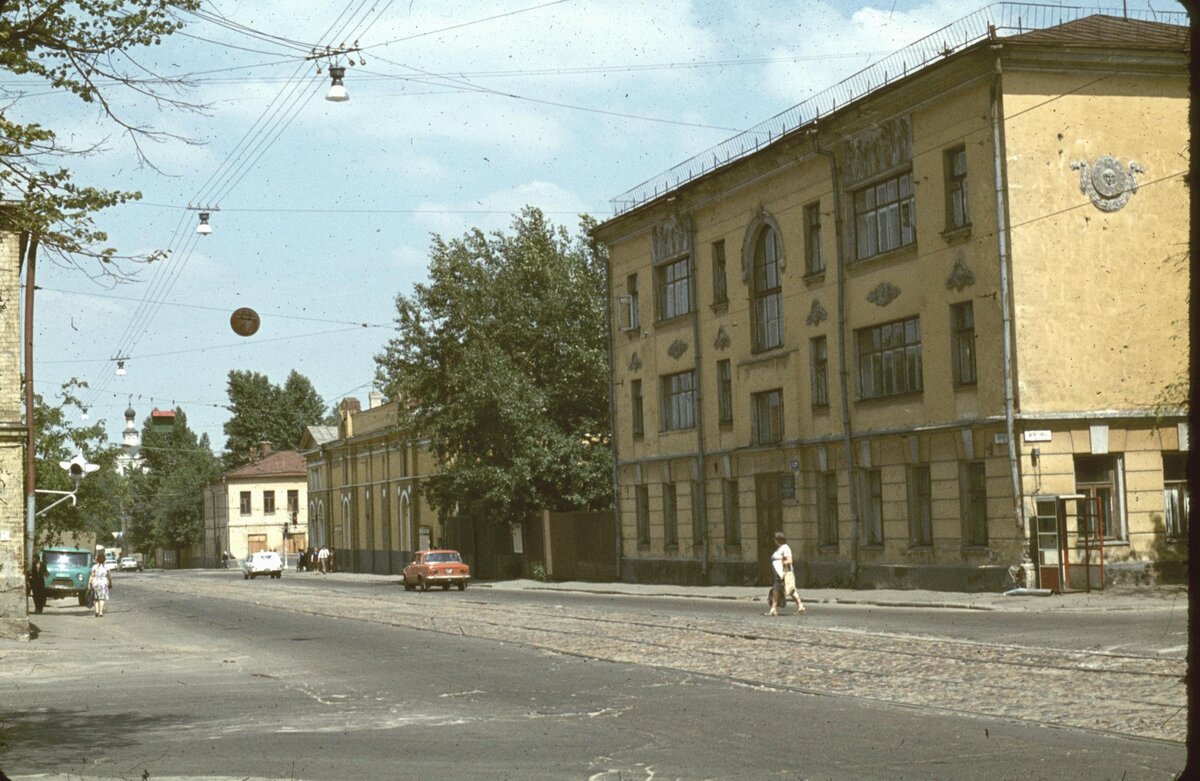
961,276
816,314
1106,182
883,294
677,349
722,341
635,363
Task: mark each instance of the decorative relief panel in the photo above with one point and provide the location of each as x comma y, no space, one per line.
677,349
1106,182
722,341
883,294
816,314
876,150
960,276
635,363
671,238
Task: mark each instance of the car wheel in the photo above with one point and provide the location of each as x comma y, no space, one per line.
277,575
462,586
424,584
445,587
409,586
245,576
83,599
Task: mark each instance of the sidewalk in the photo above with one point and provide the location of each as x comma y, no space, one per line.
1156,598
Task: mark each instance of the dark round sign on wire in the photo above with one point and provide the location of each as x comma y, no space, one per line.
245,321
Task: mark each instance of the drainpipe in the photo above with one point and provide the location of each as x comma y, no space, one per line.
843,364
700,504
612,421
1005,300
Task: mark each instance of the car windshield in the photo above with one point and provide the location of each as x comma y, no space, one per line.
442,558
66,559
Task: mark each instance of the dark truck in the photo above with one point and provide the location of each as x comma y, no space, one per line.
67,571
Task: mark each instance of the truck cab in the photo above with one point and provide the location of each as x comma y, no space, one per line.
67,571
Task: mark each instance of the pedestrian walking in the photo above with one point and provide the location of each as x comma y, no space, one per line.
100,582
784,585
323,560
37,583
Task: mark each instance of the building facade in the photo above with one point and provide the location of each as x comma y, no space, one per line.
363,479
14,620
923,323
260,506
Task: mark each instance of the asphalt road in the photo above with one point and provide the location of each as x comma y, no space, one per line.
200,677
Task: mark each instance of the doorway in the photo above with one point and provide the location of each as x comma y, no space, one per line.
768,513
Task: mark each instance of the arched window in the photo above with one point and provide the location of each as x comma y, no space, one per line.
767,290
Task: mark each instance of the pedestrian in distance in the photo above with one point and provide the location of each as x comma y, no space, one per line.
323,560
37,583
100,582
784,585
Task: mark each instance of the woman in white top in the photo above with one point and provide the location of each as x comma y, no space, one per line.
784,585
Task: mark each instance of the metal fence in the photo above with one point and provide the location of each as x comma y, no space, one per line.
1006,18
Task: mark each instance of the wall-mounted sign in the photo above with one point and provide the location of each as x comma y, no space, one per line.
787,486
244,321
1037,435
1000,438
795,464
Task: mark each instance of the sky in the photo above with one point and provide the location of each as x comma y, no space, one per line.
460,114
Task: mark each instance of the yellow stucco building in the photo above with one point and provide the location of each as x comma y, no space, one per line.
923,323
259,506
363,497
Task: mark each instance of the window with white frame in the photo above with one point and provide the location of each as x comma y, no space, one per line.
627,305
883,216
889,359
673,288
268,502
678,407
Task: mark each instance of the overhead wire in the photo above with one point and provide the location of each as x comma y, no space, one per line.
270,120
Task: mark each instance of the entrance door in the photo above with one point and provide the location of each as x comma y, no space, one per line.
768,512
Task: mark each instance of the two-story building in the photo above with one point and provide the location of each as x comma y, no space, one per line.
924,323
259,506
363,478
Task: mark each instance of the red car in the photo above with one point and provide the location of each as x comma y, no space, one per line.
434,568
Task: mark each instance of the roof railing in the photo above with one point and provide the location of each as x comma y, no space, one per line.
1007,19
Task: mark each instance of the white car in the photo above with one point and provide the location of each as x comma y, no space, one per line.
130,564
262,563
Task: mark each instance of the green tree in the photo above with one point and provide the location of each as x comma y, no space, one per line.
503,358
99,500
264,412
88,48
166,495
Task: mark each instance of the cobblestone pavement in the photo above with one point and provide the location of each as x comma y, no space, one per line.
1129,695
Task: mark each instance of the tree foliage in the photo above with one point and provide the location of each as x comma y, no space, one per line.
87,48
502,358
101,495
166,495
264,412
